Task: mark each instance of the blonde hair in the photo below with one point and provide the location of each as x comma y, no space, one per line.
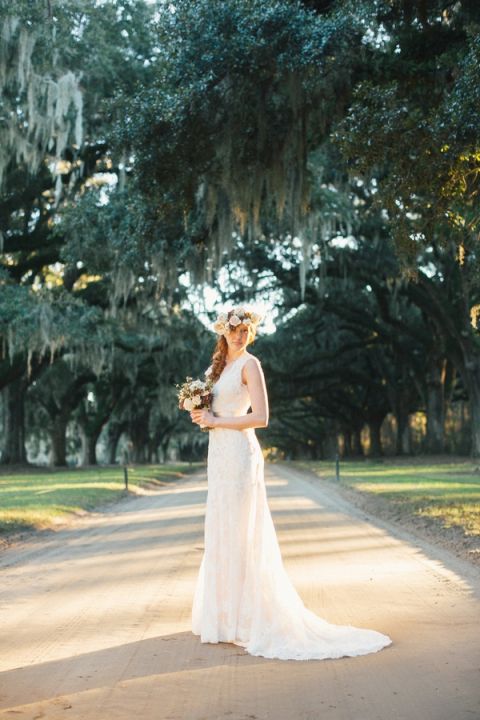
219,356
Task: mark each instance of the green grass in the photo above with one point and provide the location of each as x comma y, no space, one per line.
42,498
446,491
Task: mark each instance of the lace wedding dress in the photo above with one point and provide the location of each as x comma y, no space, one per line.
243,594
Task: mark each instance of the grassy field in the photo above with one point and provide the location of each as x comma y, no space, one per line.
42,498
446,492
449,492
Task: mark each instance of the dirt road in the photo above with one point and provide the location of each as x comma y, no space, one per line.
95,620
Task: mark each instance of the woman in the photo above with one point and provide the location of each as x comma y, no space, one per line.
243,594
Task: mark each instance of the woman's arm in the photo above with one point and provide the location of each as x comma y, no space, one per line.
258,418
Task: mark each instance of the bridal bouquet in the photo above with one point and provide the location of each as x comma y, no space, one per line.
195,395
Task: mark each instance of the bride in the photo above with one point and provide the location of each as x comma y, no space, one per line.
243,594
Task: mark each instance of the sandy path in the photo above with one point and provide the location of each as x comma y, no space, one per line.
94,621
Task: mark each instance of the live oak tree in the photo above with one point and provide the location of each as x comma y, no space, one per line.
359,345
185,137
413,128
59,66
242,90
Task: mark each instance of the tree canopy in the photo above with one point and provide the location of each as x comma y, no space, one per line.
321,155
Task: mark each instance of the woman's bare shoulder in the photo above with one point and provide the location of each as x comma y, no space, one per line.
252,357
250,363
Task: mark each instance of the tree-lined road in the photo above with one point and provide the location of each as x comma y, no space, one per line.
95,619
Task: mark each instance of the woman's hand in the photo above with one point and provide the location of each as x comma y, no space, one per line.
203,417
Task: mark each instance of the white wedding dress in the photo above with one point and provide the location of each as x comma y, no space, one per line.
243,594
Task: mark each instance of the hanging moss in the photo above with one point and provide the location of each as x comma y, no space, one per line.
45,323
42,111
244,91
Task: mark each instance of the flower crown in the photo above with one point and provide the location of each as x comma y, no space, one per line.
226,322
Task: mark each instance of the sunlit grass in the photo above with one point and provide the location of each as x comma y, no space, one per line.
449,492
44,498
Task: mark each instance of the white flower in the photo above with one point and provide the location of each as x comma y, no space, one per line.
223,317
239,311
235,320
197,400
247,321
188,404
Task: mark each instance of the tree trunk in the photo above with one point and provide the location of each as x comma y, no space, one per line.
92,449
435,407
89,447
13,452
114,433
375,427
91,427
139,436
139,454
474,402
164,445
149,453
406,438
330,446
402,440
347,443
58,435
475,408
112,450
357,446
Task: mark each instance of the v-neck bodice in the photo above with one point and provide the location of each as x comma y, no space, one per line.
230,395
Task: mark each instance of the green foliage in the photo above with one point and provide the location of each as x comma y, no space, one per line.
47,322
242,89
366,340
218,117
122,244
413,123
43,499
447,492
